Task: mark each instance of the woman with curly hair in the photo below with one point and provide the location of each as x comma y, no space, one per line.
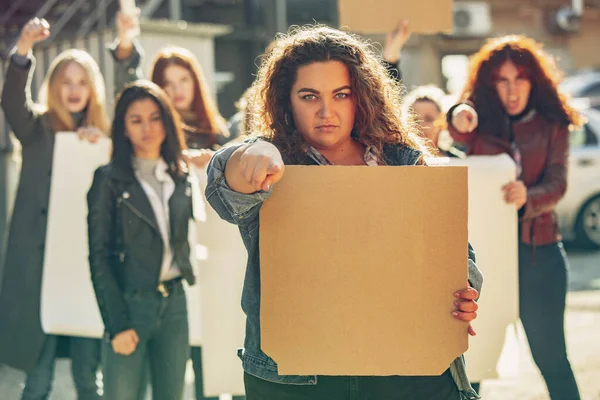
321,97
511,105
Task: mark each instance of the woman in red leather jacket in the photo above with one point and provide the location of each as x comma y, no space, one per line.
511,105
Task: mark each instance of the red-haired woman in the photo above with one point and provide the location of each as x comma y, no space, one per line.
511,105
177,71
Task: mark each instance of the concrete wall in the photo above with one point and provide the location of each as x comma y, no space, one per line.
423,54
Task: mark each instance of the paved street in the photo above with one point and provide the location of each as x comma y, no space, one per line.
583,330
522,383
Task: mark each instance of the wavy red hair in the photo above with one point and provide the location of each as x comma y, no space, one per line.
541,69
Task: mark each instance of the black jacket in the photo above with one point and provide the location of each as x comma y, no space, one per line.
126,248
21,334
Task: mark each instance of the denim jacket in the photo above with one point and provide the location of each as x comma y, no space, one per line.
243,210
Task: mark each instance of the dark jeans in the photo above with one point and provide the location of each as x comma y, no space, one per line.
85,361
356,388
162,326
196,356
542,291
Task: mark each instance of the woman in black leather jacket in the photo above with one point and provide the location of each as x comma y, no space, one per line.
139,208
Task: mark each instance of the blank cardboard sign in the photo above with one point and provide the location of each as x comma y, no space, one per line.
425,16
358,270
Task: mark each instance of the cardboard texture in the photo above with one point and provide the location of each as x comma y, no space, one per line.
359,267
493,232
381,16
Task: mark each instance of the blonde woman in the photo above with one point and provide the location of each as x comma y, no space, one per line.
72,99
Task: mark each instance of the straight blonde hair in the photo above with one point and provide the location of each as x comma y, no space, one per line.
51,103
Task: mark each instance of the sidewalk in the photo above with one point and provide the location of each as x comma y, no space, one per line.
519,379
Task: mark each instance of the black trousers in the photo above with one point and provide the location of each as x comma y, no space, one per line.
542,289
196,356
356,388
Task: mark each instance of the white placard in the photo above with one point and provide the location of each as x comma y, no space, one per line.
221,278
68,302
193,297
493,232
127,7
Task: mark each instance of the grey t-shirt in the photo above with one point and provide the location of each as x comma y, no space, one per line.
147,171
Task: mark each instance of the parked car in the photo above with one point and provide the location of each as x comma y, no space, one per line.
579,211
584,84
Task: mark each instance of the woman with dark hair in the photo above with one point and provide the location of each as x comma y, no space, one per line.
178,72
511,105
139,209
321,97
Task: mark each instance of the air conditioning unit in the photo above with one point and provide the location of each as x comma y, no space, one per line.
472,19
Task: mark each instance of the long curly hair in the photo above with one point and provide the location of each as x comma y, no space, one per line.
378,97
541,70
